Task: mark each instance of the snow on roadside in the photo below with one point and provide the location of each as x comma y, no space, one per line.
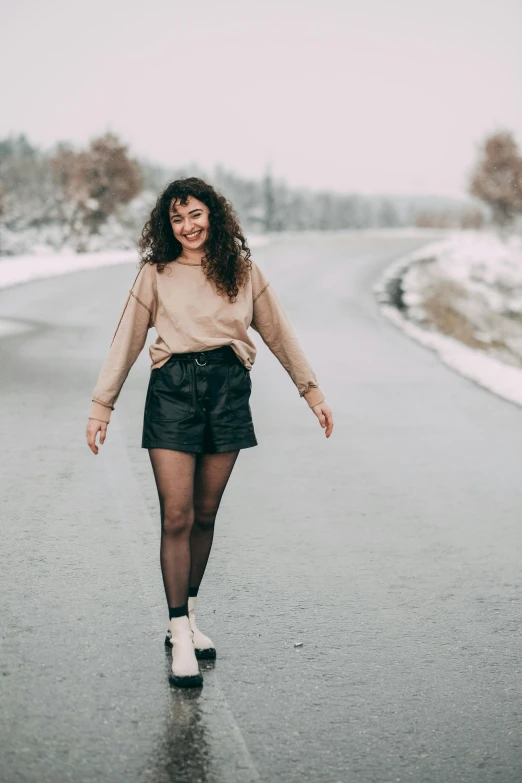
486,267
23,269
489,271
490,373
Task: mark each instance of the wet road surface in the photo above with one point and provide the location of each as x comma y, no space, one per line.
391,551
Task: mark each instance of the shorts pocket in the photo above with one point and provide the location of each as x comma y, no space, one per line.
239,390
170,395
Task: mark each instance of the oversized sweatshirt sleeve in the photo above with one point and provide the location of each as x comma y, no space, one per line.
138,315
271,322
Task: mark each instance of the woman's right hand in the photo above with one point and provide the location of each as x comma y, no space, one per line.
95,426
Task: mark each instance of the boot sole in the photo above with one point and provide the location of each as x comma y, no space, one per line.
195,681
201,655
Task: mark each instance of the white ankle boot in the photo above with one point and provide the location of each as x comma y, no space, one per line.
204,647
185,669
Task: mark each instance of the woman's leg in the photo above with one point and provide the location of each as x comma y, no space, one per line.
174,475
212,472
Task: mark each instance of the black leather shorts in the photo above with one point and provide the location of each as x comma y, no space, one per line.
199,402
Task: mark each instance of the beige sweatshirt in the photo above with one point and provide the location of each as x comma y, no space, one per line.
189,315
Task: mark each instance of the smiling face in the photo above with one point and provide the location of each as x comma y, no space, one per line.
190,223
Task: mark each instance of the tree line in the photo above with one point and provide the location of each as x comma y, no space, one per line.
99,197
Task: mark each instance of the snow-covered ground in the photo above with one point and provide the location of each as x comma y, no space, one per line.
463,299
23,269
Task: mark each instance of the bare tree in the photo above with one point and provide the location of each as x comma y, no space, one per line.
269,201
26,183
497,178
387,215
472,218
93,184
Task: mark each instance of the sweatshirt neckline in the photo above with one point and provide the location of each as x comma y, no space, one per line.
185,263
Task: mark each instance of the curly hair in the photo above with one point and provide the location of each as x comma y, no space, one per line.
227,256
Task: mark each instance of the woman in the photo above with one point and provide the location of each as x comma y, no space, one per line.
201,291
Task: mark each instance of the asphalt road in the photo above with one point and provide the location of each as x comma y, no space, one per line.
391,551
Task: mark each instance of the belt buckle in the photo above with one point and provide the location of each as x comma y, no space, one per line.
200,365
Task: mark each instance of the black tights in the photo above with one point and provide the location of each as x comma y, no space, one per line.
190,487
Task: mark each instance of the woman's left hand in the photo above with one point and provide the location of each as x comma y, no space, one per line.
324,414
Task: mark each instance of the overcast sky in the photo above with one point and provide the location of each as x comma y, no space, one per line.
370,96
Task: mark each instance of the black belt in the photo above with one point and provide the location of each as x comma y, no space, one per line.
223,354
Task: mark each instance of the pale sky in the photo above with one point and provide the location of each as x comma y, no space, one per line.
370,96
